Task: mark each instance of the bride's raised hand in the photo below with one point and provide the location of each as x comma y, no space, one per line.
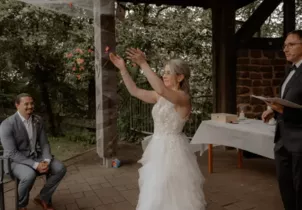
117,61
136,56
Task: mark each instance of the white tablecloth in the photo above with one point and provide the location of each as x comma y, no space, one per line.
250,135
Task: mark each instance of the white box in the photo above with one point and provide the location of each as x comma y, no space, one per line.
224,117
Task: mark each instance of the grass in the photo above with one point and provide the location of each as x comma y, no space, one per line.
63,148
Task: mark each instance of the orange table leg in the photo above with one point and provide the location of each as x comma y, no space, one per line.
210,158
240,157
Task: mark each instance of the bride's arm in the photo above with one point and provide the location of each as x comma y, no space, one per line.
176,97
144,95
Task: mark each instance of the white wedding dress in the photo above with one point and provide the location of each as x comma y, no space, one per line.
170,178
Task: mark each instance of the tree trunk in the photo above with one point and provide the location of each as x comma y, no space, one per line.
45,99
91,99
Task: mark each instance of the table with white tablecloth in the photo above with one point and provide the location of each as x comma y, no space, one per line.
251,135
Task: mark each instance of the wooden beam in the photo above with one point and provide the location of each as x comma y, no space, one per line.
194,3
105,80
243,3
289,11
224,58
254,23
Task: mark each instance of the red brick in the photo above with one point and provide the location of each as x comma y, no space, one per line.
279,74
242,90
268,91
269,54
280,54
253,68
257,83
280,68
243,74
257,91
278,61
242,53
243,99
266,62
243,61
258,108
244,82
255,76
266,69
242,67
256,53
266,83
267,75
256,61
277,82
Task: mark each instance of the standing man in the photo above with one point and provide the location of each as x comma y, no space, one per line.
25,142
288,136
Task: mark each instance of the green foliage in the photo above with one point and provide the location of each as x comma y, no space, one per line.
34,43
80,64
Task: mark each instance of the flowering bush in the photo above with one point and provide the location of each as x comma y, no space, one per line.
81,63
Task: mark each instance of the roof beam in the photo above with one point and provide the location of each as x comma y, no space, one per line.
289,16
253,24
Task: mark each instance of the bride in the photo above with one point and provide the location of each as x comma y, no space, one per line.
169,178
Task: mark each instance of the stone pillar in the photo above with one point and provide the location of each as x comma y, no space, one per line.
105,80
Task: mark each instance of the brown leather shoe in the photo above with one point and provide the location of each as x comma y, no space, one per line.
42,203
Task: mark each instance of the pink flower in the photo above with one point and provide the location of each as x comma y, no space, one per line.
80,61
69,55
107,49
79,77
78,50
82,68
90,50
74,68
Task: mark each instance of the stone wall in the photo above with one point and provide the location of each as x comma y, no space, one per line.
259,72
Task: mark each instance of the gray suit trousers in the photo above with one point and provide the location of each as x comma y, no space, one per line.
27,176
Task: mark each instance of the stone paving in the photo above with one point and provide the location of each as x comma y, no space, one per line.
89,186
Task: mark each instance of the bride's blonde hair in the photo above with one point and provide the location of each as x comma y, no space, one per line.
179,66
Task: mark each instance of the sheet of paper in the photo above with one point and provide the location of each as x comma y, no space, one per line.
278,101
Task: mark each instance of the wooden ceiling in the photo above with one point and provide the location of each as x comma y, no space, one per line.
197,3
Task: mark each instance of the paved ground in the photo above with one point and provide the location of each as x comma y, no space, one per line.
89,186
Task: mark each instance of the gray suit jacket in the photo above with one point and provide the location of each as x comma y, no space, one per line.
15,141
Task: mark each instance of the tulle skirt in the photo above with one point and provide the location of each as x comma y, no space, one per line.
170,178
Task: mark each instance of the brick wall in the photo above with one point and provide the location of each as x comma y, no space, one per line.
259,72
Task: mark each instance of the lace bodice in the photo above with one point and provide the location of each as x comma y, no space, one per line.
166,119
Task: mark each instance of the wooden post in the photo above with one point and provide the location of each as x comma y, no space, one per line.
105,80
224,62
224,58
289,16
239,154
210,158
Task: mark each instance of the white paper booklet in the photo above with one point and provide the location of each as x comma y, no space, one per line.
279,101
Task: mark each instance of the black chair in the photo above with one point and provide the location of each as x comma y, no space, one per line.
10,174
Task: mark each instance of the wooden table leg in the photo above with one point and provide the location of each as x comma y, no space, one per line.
210,158
240,157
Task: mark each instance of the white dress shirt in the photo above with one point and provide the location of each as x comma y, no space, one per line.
29,128
289,77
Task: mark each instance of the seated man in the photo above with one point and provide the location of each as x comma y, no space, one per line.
25,142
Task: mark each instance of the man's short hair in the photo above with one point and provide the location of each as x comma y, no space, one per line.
296,32
21,95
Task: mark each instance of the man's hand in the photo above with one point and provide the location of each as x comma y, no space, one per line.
277,107
43,167
267,115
